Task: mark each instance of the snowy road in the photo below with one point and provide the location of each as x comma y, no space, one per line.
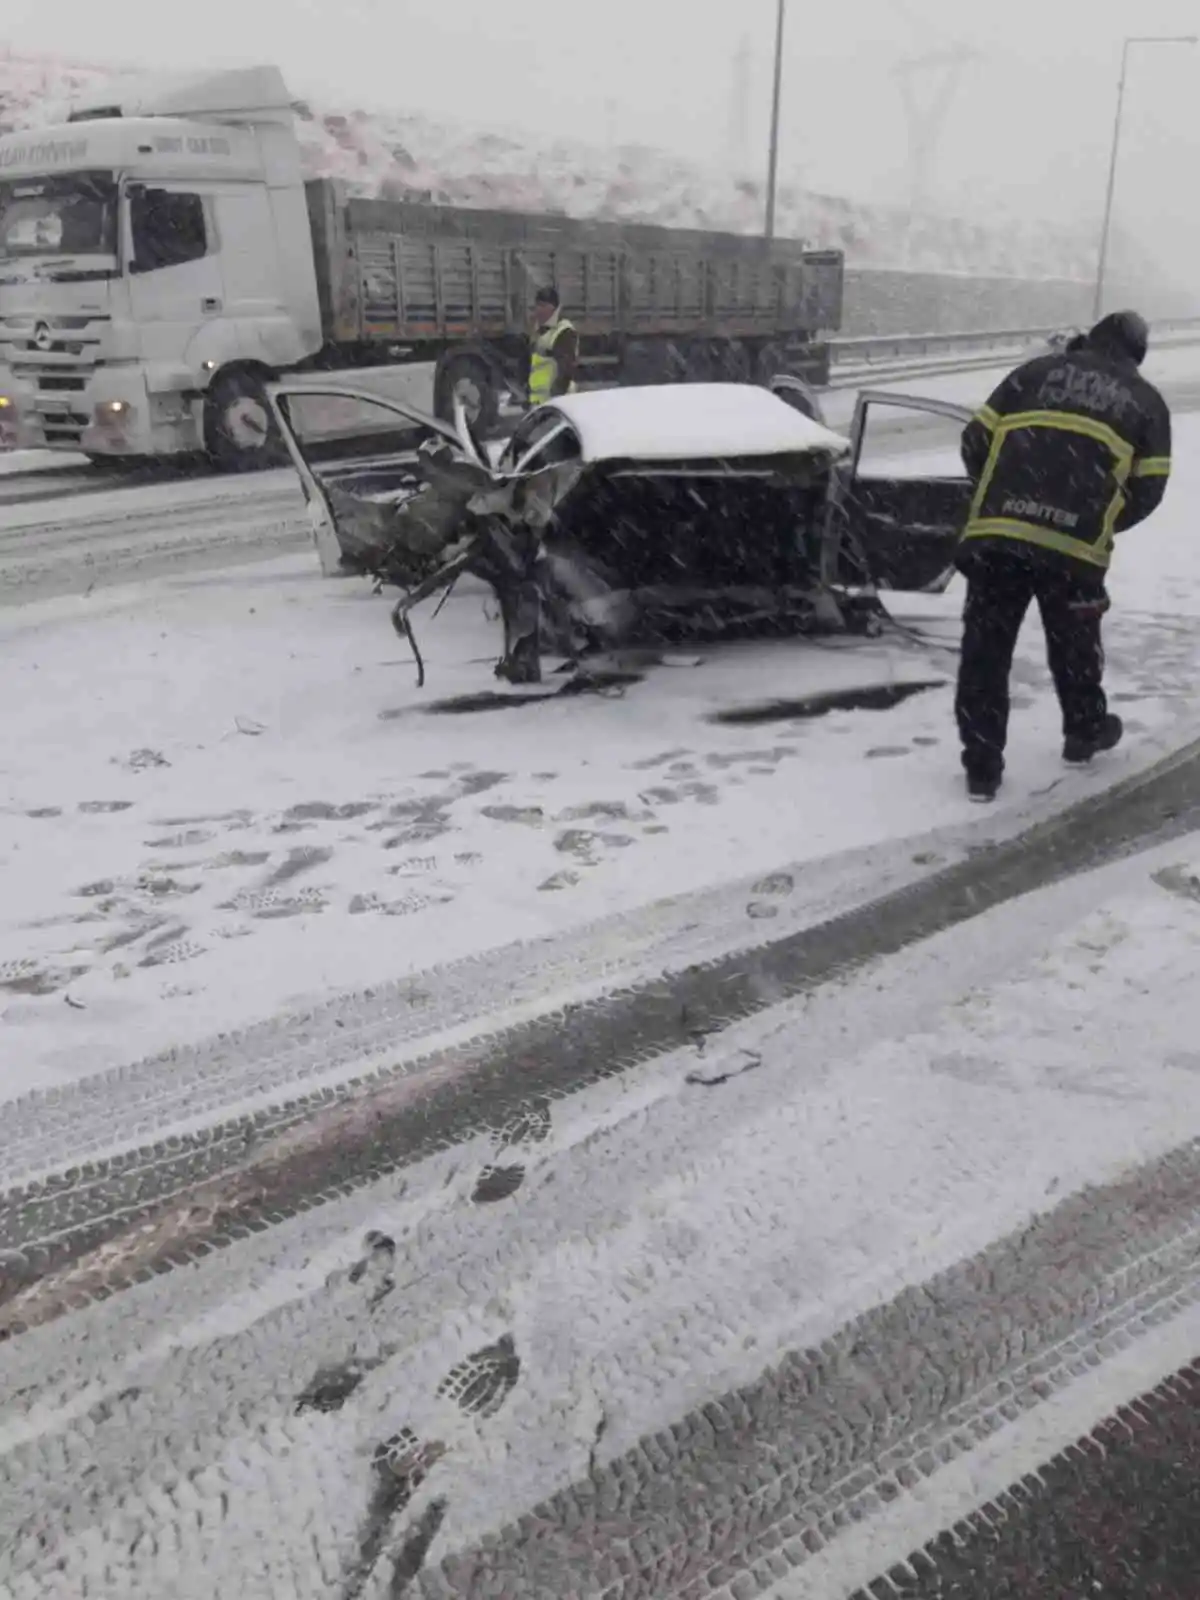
225,797
679,1115
833,1249
64,535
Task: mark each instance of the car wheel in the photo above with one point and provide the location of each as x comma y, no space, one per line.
800,396
469,379
240,431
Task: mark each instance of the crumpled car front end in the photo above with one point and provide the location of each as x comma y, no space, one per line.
583,557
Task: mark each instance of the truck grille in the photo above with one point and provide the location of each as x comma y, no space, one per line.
56,356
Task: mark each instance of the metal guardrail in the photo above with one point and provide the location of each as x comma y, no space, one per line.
870,349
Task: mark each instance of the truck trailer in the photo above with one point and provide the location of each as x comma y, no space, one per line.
162,259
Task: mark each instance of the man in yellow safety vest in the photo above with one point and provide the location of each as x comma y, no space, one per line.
554,352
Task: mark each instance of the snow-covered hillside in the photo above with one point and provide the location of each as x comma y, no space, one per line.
396,155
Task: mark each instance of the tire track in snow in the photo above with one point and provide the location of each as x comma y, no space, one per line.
44,560
184,1089
100,1229
117,1459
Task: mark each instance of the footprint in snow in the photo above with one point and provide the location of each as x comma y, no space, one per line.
512,1146
649,763
415,866
478,1386
558,881
530,816
407,905
482,1382
29,978
298,861
324,811
172,953
183,840
767,894
269,905
406,1460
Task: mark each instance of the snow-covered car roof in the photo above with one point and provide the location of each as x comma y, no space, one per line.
691,421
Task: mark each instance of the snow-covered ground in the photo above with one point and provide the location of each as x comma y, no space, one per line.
672,1243
13,462
224,794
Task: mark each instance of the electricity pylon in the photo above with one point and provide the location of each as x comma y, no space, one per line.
941,71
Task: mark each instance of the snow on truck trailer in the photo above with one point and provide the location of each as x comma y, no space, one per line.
162,258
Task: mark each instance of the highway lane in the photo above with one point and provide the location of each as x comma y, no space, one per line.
666,1290
75,542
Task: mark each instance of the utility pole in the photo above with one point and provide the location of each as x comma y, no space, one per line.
773,164
1102,268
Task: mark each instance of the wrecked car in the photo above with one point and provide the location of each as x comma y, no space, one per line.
651,516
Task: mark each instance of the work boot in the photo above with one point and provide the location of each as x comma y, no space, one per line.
982,787
1078,752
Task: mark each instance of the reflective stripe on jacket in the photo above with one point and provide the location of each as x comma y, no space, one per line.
543,368
1070,450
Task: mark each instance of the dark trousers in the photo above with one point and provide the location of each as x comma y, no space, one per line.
1000,587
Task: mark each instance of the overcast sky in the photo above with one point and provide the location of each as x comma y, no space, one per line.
1027,132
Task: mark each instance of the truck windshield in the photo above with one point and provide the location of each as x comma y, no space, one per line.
58,216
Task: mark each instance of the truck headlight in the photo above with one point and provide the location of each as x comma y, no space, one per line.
8,419
113,413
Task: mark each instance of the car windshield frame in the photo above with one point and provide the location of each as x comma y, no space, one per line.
99,189
526,437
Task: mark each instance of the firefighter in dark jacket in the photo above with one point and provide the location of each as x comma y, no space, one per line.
1071,450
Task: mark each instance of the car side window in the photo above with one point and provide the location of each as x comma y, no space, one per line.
527,433
168,228
908,437
554,446
559,445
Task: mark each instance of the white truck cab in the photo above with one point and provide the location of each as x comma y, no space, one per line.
156,267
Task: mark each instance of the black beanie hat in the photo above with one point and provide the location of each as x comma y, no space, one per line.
1125,333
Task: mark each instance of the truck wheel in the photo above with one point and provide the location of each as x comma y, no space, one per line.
701,362
469,379
676,366
240,432
769,363
733,362
645,362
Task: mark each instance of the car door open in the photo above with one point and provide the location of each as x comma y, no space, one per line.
898,502
386,484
